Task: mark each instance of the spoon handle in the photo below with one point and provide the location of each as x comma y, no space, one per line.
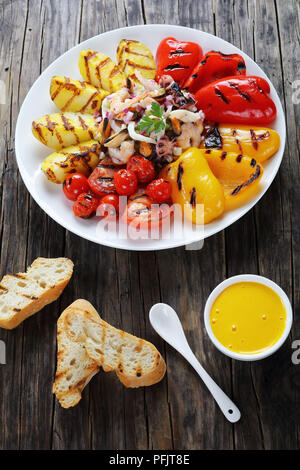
228,408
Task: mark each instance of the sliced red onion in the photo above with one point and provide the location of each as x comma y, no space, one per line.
128,117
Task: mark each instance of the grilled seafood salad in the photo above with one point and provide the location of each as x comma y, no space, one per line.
156,120
186,128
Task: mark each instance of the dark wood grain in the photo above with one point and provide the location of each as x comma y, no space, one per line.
178,412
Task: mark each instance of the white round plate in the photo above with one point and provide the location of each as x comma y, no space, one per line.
30,153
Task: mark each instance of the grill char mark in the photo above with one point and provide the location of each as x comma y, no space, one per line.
179,52
180,172
88,102
193,198
252,178
245,96
176,67
18,276
256,139
221,96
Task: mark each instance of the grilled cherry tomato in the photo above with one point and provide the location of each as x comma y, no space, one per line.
101,180
159,190
108,206
143,213
85,205
125,182
75,184
213,66
143,168
237,100
177,58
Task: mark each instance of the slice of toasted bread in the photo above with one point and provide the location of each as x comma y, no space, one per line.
136,362
74,367
24,294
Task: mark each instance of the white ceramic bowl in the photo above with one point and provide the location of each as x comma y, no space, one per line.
30,153
248,278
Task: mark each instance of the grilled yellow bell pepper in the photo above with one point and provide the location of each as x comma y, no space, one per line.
193,183
238,175
257,142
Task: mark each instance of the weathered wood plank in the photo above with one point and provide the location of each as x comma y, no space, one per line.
234,24
178,412
71,429
181,276
13,215
45,237
274,254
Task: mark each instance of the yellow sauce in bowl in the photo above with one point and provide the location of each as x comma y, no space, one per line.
248,317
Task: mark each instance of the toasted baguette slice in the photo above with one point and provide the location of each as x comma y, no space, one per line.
136,362
24,294
74,367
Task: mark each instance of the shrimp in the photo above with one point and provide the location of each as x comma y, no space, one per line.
121,155
147,102
190,134
122,101
117,100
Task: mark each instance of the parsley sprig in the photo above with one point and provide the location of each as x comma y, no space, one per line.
154,122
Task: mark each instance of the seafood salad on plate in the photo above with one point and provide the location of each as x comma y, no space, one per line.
182,128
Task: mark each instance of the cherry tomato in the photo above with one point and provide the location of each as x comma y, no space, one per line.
85,205
125,182
159,190
101,180
143,168
75,184
109,206
143,213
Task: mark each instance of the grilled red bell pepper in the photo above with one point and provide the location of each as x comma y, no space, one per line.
177,58
237,100
213,66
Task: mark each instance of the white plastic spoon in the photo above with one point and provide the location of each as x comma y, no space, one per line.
166,323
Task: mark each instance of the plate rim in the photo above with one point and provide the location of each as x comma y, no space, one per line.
144,247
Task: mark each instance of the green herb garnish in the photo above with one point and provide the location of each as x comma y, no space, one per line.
154,122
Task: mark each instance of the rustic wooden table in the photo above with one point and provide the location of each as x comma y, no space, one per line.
178,413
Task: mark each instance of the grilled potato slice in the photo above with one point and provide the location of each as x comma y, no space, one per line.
99,70
82,158
133,55
75,96
60,130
